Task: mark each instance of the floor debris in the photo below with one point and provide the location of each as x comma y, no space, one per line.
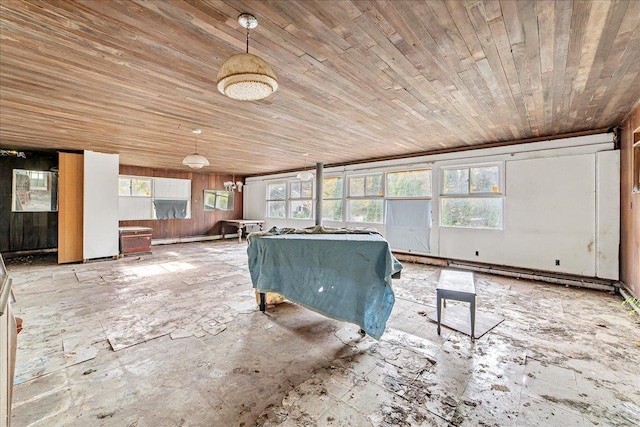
176,338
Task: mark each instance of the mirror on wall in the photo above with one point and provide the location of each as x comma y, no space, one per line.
218,200
34,191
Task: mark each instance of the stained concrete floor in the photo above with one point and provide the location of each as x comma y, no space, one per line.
175,339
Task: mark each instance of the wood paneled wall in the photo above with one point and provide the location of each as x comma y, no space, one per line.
201,222
629,207
70,207
20,231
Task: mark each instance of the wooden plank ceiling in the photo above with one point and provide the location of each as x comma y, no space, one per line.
358,79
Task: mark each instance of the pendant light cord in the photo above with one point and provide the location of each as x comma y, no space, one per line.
247,38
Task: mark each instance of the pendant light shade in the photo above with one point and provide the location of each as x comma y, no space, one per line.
244,76
305,175
195,160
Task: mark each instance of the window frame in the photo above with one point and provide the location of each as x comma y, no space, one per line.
284,199
342,198
418,169
469,195
354,198
138,178
291,200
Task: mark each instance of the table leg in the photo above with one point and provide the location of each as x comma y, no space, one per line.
263,302
472,308
438,309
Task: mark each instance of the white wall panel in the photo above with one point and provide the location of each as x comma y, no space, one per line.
172,188
608,214
135,208
253,200
550,214
100,205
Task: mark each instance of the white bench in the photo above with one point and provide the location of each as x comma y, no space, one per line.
458,286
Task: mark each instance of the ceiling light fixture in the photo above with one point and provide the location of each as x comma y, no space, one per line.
195,160
246,77
305,175
233,184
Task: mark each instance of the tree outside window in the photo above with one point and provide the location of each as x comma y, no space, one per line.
412,183
332,205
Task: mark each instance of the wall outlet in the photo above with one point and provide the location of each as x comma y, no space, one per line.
477,253
557,262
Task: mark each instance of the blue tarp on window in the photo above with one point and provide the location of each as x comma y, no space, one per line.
167,209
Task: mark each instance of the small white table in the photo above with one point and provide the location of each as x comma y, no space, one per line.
241,225
458,286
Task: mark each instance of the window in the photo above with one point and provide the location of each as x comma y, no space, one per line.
144,197
39,180
414,183
218,200
332,192
301,199
366,198
277,200
134,187
472,197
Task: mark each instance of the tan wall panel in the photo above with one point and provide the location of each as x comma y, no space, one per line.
629,207
70,207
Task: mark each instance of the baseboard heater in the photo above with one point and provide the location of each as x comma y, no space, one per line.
542,276
189,239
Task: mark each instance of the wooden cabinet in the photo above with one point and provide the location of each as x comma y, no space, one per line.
135,240
70,207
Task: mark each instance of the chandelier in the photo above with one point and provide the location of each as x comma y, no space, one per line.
233,184
246,77
195,160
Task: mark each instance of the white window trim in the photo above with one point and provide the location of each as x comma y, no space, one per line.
485,195
285,199
291,199
138,177
501,180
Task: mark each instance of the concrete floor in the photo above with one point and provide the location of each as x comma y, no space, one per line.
175,339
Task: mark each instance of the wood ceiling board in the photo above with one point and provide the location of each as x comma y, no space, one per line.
358,79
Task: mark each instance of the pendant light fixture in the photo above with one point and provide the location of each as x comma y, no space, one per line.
305,175
195,160
246,77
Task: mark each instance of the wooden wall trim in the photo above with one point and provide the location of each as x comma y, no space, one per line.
629,207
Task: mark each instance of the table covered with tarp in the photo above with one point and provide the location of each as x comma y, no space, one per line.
344,274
